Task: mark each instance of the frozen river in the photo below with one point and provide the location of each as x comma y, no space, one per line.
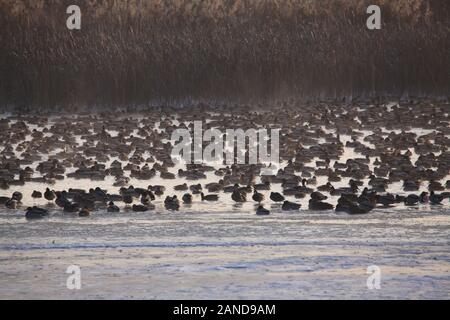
229,255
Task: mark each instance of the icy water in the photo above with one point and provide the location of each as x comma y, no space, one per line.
228,255
223,250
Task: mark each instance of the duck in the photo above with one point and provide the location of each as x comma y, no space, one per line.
196,188
35,213
112,207
172,203
145,198
411,200
276,197
36,194
84,212
326,187
257,197
262,186
49,195
181,187
424,197
386,200
409,185
290,206
436,199
11,204
187,198
209,197
139,208
127,198
61,199
167,175
319,205
435,186
18,196
348,206
71,207
238,196
261,211
303,188
317,196
157,190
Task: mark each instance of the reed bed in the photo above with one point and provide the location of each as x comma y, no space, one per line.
136,52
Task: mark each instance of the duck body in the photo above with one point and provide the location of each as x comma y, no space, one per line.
435,199
18,196
71,207
276,197
261,211
36,194
84,212
411,200
172,203
113,208
11,204
49,195
290,206
238,196
209,197
139,208
319,205
35,213
257,197
317,196
187,198
386,200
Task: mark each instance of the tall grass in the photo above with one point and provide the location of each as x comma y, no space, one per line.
136,51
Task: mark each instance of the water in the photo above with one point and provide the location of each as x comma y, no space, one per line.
223,250
228,255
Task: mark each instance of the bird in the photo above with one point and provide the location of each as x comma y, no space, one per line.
49,195
11,204
127,198
386,200
36,194
84,212
411,200
172,203
261,211
35,213
145,198
276,197
71,207
182,187
187,198
139,208
424,197
61,200
257,197
290,206
112,207
317,196
319,205
436,198
209,197
18,196
238,196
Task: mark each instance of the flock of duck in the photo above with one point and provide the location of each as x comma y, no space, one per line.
404,144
